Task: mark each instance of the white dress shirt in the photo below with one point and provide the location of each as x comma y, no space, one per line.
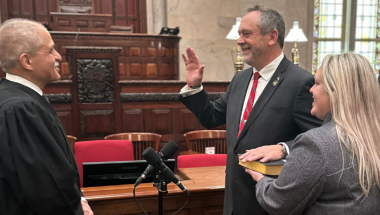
266,74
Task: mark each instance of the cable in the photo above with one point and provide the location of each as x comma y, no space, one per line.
134,196
188,197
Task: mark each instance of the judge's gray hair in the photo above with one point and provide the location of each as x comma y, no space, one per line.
18,36
270,20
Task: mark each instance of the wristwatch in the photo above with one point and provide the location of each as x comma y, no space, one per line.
284,151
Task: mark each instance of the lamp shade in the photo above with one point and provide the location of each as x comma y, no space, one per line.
295,34
234,34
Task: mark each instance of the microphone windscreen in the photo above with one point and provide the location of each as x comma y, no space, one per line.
151,156
169,149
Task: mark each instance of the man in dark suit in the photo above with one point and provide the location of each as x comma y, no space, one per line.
38,172
262,114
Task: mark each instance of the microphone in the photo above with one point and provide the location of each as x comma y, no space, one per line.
155,160
166,152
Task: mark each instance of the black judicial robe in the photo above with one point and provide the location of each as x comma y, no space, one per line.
38,172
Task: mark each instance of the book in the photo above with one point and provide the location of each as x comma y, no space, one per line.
268,168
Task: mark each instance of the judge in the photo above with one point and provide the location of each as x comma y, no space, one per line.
333,169
38,173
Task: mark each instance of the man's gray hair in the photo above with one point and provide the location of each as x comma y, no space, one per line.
270,20
18,36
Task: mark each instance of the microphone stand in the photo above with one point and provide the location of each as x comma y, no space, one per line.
160,182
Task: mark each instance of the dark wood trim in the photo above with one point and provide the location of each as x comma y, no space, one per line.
142,16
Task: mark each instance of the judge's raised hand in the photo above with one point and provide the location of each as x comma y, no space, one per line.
194,70
263,153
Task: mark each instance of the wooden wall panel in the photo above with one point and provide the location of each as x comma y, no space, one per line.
124,12
159,121
97,123
133,120
187,121
65,117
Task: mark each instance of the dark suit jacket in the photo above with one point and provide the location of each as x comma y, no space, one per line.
281,113
38,172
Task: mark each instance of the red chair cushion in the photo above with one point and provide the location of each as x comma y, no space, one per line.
100,151
201,160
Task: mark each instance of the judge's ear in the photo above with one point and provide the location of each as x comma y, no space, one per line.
26,61
273,37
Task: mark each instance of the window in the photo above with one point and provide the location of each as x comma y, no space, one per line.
346,25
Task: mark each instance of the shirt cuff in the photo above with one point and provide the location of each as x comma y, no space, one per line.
187,91
82,199
286,147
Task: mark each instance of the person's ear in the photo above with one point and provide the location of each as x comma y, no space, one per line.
26,61
273,37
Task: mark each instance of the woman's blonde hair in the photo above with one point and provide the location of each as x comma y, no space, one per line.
354,94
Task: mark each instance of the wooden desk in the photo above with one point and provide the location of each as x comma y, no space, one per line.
206,195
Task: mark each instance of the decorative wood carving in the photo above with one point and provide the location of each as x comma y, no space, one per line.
95,80
159,97
60,98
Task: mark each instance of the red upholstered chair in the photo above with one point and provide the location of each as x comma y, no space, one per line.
201,160
100,151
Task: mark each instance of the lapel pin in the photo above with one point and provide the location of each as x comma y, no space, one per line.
275,82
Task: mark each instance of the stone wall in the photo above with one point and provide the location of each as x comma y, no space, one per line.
204,26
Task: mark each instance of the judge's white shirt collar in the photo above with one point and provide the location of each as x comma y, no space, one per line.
23,81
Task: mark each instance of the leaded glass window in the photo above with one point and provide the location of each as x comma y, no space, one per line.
330,31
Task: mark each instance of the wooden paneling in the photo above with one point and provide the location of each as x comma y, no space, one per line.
38,10
65,117
81,22
187,121
139,59
97,123
160,121
133,120
124,12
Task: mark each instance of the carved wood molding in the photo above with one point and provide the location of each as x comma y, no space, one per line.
159,97
60,98
111,36
166,82
112,49
95,80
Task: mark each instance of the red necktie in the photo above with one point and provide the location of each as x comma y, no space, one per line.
250,101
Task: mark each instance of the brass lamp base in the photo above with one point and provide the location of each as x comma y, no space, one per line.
239,65
295,54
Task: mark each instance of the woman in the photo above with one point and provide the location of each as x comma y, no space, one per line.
333,169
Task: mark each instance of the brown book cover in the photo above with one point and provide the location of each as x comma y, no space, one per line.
268,168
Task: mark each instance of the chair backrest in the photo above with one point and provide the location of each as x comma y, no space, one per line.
201,160
140,141
101,151
198,140
72,141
